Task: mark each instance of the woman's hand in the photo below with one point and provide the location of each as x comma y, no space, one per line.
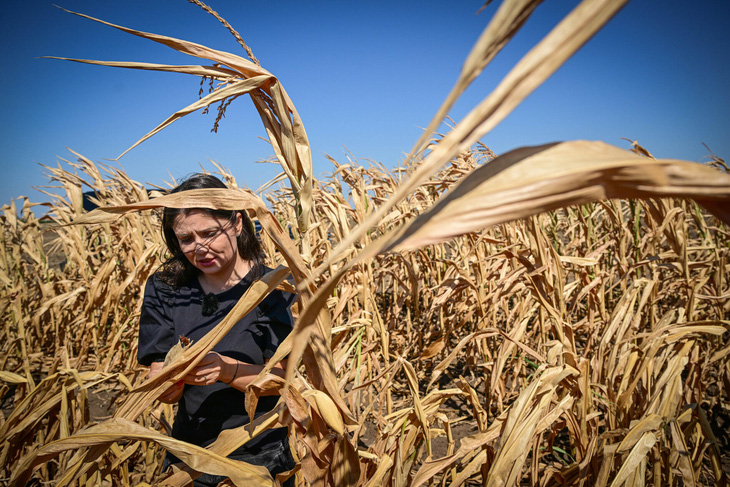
172,394
213,368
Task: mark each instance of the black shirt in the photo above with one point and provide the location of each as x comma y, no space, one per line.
204,411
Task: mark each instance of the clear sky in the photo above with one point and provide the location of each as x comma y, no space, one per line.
365,77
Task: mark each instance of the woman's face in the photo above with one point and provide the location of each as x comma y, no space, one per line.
208,242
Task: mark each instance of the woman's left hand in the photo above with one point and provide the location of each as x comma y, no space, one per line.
208,371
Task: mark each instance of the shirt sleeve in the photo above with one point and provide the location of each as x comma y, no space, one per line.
276,320
156,328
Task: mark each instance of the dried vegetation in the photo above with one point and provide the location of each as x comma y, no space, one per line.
580,339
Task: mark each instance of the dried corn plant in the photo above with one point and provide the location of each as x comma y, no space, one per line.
556,315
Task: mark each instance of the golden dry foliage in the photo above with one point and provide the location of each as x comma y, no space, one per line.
236,76
462,319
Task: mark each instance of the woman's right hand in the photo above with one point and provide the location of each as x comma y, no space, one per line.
173,393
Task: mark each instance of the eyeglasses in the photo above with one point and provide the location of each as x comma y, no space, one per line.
188,243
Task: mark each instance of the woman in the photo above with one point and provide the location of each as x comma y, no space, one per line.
215,258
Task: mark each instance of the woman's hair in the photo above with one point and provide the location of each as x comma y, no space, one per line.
178,270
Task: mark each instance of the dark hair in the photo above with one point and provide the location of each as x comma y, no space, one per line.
178,270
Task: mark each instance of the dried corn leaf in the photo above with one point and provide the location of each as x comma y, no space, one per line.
635,458
530,180
12,377
242,474
521,424
652,422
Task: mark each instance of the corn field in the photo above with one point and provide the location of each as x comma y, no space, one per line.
555,315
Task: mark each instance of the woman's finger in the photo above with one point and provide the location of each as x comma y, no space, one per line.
172,394
210,359
205,376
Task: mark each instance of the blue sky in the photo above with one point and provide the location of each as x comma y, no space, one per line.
365,77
